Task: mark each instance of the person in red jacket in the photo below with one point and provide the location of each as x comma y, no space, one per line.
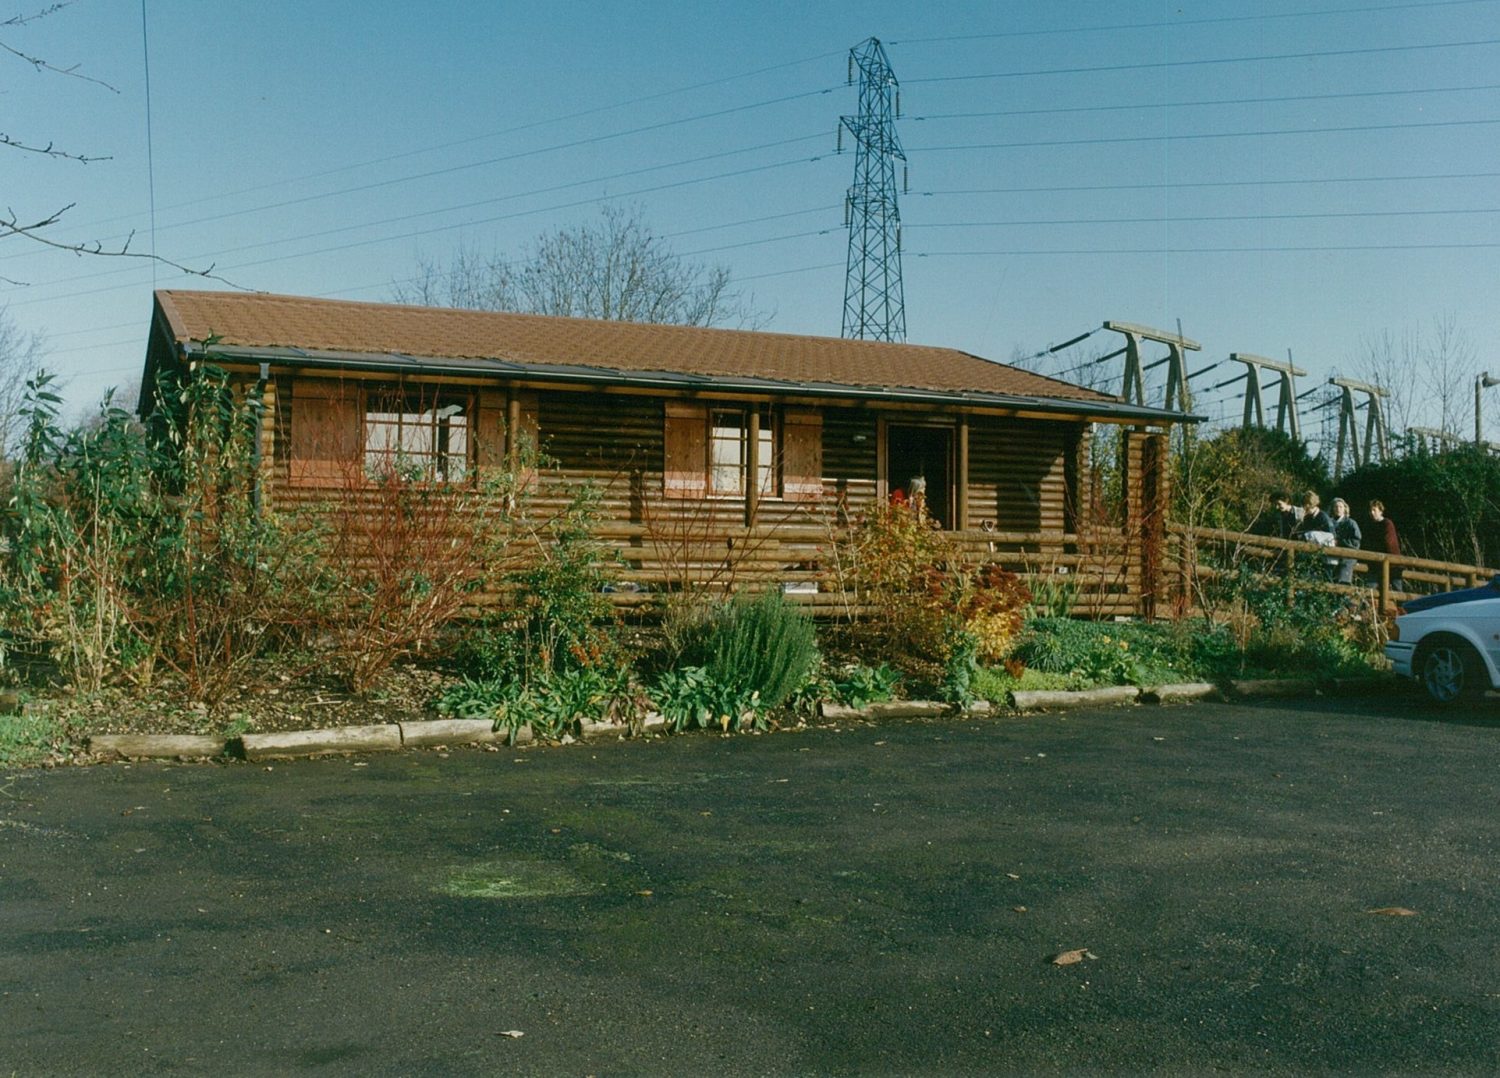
1384,538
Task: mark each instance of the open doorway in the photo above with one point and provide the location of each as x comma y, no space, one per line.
922,453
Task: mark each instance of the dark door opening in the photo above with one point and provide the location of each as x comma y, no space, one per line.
922,453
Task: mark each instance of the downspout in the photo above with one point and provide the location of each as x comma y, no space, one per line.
256,454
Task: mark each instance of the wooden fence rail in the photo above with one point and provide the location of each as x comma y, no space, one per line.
1188,545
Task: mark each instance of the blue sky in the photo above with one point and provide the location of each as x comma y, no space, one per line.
1274,175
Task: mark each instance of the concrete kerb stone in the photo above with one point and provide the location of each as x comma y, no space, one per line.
428,732
1181,693
389,737
1036,700
158,746
385,737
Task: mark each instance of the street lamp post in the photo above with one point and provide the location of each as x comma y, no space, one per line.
1484,381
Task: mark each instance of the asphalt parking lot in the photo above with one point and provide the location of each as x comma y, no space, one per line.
867,899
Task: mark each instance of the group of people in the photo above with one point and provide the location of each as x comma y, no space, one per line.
1311,522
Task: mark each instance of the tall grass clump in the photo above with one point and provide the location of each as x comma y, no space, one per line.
763,646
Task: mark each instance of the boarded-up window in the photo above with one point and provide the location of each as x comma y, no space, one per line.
685,457
801,455
326,448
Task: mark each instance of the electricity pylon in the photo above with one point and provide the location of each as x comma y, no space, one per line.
874,300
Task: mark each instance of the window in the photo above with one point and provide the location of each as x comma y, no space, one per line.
729,453
424,438
706,452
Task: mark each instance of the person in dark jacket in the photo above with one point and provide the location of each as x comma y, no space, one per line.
1314,519
1287,516
1346,534
1383,538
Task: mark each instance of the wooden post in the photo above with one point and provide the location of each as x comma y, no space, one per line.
513,431
961,485
1385,584
752,467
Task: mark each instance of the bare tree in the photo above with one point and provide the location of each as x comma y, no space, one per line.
1428,372
20,356
40,228
616,268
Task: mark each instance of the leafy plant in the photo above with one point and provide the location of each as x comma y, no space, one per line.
861,685
552,705
691,698
920,603
131,545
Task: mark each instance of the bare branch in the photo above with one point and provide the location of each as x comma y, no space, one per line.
22,20
48,150
42,65
11,226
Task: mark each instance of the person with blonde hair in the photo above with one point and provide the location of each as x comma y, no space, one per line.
1314,525
1346,534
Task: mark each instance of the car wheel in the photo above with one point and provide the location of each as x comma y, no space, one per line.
1451,671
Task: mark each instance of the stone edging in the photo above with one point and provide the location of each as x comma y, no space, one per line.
428,733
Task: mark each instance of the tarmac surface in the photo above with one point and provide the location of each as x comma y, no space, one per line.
867,899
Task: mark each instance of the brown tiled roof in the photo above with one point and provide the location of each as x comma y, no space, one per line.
257,320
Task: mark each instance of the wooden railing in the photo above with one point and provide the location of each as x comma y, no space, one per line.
1382,571
1099,570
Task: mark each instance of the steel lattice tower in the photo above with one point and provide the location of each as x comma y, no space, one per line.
874,300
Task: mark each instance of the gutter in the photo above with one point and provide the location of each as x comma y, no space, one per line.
296,357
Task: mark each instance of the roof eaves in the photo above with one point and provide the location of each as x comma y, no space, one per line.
394,361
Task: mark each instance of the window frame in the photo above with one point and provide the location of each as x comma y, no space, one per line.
397,406
768,461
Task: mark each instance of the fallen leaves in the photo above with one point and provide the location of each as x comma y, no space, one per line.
1071,958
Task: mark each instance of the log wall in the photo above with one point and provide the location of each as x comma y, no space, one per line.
1022,505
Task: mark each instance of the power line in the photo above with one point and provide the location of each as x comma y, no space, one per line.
468,222
1322,248
1195,136
1188,184
1171,24
1206,219
1160,64
403,236
511,262
369,162
1204,104
470,165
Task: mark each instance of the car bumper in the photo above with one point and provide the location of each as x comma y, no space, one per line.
1399,654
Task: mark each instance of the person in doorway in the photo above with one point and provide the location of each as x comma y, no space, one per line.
1383,538
1346,534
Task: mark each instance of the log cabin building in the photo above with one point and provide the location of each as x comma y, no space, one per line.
734,440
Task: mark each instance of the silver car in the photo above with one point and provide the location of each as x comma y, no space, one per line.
1450,642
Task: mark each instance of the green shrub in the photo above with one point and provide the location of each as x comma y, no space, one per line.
764,646
25,739
550,705
860,685
691,698
1105,653
995,684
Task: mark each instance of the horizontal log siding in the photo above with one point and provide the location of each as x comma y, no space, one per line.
849,467
1018,474
1018,479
